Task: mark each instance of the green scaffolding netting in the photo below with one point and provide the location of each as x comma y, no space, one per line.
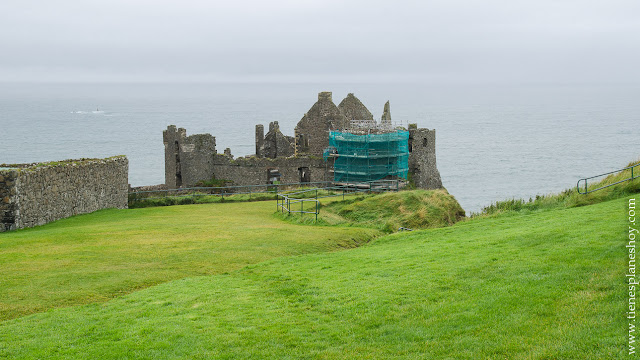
369,157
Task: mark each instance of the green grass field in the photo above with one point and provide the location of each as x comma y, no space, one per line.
545,284
100,256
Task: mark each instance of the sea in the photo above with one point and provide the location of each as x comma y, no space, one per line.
493,141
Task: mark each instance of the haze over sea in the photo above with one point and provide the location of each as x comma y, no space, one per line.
493,142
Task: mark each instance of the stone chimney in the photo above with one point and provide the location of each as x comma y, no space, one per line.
386,115
259,139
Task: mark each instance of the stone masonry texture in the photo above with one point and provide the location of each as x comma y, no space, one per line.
386,115
36,194
196,150
422,158
353,109
275,143
312,131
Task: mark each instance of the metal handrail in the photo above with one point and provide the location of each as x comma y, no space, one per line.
587,191
285,205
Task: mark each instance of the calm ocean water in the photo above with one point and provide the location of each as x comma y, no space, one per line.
492,142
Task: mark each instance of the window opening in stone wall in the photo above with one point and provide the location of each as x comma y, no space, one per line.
273,176
178,169
303,142
305,175
424,142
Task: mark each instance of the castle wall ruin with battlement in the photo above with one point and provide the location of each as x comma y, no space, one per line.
290,159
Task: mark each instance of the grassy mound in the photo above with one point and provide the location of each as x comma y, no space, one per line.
415,209
570,197
549,285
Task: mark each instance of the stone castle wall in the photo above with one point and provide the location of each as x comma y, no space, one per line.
36,194
253,170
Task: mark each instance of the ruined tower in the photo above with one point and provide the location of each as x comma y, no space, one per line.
422,158
187,159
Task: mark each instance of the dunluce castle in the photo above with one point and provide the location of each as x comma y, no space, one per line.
340,144
330,142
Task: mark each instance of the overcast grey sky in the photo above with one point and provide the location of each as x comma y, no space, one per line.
296,40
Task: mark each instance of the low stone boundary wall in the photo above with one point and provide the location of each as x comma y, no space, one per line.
36,194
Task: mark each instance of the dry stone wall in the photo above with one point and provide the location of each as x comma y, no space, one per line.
36,194
8,207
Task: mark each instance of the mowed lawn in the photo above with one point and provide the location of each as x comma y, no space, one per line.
545,285
100,256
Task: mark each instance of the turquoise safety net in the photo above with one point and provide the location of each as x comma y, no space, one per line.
369,157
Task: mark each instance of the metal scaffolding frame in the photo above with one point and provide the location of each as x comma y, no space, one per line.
369,154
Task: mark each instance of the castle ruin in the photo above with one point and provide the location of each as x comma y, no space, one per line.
305,157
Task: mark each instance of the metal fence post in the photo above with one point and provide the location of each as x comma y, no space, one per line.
585,186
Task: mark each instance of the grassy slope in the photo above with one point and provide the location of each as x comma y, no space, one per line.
543,285
571,197
96,257
415,209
